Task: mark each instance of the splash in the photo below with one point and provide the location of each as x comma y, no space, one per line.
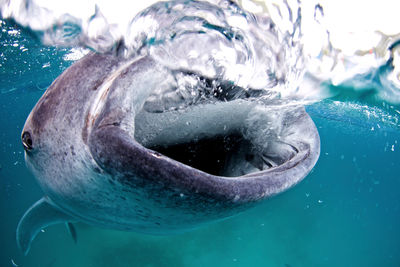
283,49
202,42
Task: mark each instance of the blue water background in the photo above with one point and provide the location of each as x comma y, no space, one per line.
345,213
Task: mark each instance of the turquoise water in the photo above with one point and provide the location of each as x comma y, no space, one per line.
345,213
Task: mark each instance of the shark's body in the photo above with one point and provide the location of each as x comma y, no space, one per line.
88,143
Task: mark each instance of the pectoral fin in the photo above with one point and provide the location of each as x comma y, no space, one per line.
38,216
72,231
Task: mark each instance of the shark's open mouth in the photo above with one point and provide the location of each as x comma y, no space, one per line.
231,155
215,126
211,155
228,145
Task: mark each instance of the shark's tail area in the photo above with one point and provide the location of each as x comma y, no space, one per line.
38,216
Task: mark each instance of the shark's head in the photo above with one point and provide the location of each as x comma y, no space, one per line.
119,143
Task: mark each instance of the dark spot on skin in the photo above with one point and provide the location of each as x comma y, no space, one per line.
72,150
97,84
124,72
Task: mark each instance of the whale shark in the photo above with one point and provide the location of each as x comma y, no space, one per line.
113,145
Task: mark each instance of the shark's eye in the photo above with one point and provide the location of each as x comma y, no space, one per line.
27,141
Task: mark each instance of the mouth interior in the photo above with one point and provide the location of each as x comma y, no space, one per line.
227,155
211,155
215,145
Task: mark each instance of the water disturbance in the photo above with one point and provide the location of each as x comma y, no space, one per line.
269,49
